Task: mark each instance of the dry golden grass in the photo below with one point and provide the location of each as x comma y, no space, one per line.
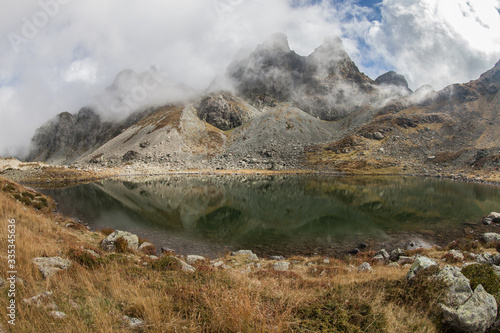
95,298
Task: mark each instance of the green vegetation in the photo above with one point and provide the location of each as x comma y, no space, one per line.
333,313
166,263
485,275
85,258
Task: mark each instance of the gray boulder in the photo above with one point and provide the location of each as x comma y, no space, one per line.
281,266
248,254
490,237
133,323
365,267
419,264
485,258
383,253
50,266
108,243
184,266
496,270
405,260
495,217
395,254
459,286
455,255
58,315
192,259
474,316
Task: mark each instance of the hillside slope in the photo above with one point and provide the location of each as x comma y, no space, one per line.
454,129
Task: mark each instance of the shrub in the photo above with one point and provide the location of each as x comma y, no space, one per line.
422,291
334,314
121,245
8,188
166,263
84,258
28,195
484,275
149,250
463,244
38,206
25,200
451,259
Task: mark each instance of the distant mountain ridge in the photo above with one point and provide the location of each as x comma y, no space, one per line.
280,107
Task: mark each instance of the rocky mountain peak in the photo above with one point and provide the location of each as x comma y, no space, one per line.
277,42
329,54
393,79
273,73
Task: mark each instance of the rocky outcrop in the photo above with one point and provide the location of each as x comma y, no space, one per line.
365,267
192,259
68,136
419,264
246,255
323,84
393,79
476,315
459,290
490,237
50,266
462,309
281,266
225,111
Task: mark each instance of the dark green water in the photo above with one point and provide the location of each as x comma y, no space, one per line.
208,215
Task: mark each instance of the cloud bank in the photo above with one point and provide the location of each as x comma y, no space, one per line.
58,55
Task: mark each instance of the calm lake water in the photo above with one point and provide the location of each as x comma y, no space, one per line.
209,215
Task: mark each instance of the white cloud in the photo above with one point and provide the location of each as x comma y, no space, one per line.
70,51
82,70
437,42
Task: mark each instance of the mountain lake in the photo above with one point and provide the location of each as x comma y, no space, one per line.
282,214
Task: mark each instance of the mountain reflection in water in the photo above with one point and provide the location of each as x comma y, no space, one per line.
212,214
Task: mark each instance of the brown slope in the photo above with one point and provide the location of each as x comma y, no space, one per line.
453,129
